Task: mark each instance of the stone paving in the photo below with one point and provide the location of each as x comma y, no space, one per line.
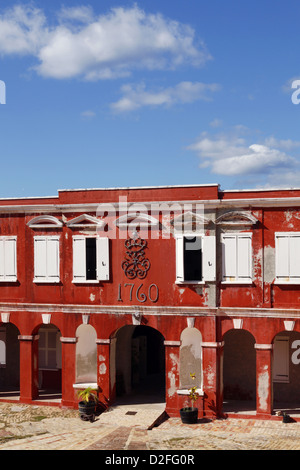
29,427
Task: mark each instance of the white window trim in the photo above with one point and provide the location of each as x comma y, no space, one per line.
12,277
205,277
236,280
90,281
285,280
47,279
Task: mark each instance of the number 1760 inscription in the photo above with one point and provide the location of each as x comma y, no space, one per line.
138,293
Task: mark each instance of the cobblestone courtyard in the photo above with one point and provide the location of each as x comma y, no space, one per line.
29,427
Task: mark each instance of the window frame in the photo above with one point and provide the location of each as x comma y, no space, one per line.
9,277
47,278
285,279
100,260
237,278
208,249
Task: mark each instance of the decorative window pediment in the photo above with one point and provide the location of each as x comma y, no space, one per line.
237,218
84,221
189,220
140,220
45,221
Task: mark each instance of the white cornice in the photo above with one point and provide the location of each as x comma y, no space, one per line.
93,207
232,312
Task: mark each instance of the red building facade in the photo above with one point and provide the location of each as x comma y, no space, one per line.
132,289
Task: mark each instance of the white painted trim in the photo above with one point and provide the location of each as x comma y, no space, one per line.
186,391
45,221
83,386
90,222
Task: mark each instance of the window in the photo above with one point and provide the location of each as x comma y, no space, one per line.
287,246
90,259
46,259
237,257
49,348
195,259
281,359
8,259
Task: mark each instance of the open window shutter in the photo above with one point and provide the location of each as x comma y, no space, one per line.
209,258
40,258
244,261
179,259
103,259
294,256
53,258
10,264
79,260
229,256
282,256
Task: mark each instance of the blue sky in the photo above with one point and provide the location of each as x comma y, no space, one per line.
107,93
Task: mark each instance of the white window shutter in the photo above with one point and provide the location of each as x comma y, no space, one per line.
179,259
53,258
8,261
40,258
103,259
79,259
2,259
209,258
244,258
281,360
282,256
229,256
294,256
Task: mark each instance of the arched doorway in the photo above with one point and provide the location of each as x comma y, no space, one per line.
286,372
140,364
49,360
9,361
239,372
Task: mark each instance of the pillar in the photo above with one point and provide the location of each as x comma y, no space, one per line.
29,379
68,372
213,378
264,392
105,374
172,351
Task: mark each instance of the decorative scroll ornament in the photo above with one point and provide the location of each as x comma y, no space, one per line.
135,264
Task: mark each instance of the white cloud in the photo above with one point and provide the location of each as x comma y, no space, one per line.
233,155
23,31
88,114
137,96
97,47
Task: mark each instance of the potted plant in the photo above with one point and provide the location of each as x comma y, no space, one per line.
189,414
88,403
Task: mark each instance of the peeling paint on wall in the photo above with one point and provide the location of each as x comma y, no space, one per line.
263,388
